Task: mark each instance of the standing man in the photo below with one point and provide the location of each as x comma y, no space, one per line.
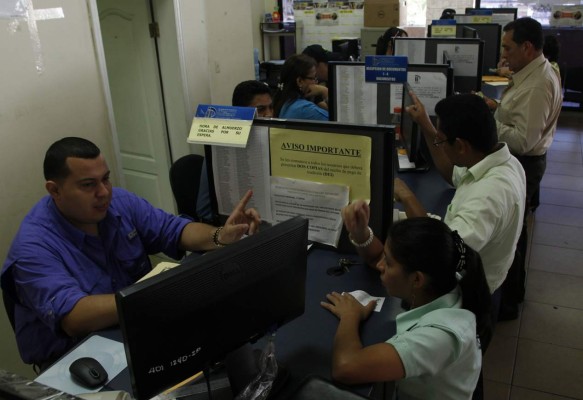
526,119
86,240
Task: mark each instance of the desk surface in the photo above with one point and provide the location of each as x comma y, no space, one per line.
304,346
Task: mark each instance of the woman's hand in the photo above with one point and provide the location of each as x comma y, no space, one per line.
356,216
344,305
315,90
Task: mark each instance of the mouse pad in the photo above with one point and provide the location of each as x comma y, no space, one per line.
109,353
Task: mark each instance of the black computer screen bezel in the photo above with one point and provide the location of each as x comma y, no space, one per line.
491,34
463,84
381,174
178,322
410,131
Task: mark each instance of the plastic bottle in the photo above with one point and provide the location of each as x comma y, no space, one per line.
396,120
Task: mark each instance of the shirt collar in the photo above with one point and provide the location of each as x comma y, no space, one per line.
76,235
520,76
499,157
408,319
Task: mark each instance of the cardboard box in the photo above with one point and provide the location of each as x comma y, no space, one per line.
566,16
384,13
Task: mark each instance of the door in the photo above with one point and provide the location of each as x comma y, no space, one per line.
138,106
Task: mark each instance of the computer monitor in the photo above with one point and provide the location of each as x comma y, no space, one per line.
440,87
176,323
348,48
491,34
234,169
466,56
467,32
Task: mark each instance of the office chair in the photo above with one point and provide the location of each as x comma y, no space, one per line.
185,181
9,306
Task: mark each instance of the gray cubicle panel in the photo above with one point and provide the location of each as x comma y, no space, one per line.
465,55
352,100
381,168
491,34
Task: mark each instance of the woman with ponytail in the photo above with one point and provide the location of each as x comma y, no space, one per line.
298,84
435,353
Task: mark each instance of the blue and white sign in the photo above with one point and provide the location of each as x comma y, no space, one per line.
385,69
225,112
221,125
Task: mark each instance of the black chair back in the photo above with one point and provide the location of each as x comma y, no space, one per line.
9,306
185,181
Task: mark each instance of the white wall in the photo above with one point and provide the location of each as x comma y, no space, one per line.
64,99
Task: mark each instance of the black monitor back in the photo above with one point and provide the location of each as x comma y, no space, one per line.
463,83
491,34
176,323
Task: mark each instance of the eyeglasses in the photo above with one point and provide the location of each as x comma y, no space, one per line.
312,78
437,142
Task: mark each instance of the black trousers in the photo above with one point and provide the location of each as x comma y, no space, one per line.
513,288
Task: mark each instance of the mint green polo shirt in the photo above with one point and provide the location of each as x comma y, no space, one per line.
440,352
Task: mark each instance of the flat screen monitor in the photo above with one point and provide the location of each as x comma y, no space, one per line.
467,32
175,323
440,85
491,34
349,49
466,56
232,171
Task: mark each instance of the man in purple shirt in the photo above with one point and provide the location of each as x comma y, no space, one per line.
87,240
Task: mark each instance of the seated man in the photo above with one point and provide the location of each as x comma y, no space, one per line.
85,241
254,94
246,94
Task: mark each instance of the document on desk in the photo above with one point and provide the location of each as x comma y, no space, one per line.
110,354
320,203
364,298
237,170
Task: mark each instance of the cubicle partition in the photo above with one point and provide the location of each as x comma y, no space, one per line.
283,161
465,56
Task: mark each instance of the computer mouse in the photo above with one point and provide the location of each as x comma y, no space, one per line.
88,372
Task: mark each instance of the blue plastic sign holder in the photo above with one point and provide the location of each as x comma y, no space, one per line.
385,69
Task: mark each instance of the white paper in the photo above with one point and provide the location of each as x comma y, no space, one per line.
356,100
11,9
430,87
110,354
364,298
463,56
413,49
318,202
237,170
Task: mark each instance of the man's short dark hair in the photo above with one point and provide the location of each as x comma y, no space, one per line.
245,92
55,163
526,29
467,116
